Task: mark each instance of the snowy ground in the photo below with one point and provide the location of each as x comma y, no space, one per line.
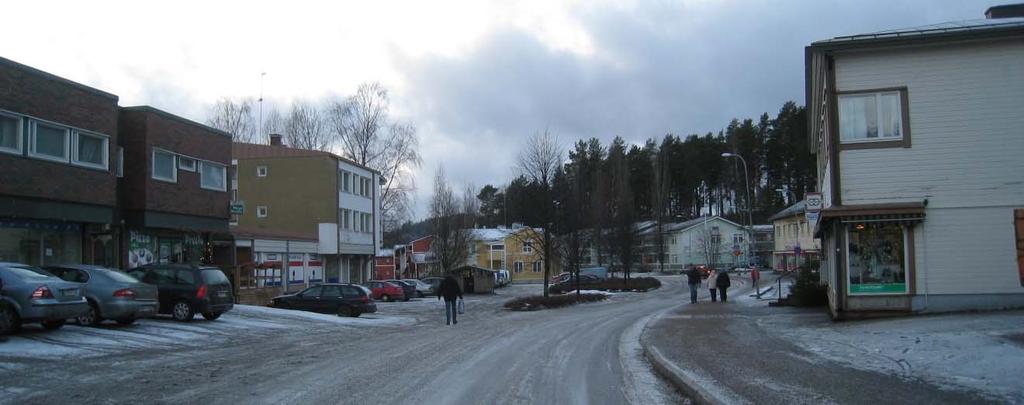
979,351
580,354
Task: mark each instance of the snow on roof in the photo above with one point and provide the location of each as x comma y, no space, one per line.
789,211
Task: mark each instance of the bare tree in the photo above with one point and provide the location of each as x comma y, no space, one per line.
273,123
370,137
710,243
452,236
539,161
235,118
306,127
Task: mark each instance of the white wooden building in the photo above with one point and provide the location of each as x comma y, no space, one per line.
919,136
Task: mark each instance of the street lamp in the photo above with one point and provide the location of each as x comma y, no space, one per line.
750,209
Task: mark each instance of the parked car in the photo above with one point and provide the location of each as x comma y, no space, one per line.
187,289
586,280
408,289
29,294
111,294
342,299
383,290
435,283
502,278
422,289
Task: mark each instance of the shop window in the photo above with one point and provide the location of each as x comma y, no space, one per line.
164,165
90,150
212,176
10,133
877,258
48,141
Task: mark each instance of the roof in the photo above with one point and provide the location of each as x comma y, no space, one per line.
242,150
682,226
944,30
491,233
789,211
183,120
51,76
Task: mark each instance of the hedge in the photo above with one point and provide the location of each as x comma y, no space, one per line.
642,284
537,302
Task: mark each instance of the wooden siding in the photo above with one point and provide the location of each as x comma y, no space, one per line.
966,251
965,120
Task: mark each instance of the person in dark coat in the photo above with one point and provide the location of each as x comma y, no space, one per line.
693,280
449,290
723,282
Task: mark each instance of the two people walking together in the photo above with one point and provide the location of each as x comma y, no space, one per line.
717,282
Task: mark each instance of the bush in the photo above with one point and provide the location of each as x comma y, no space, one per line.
537,302
642,284
808,290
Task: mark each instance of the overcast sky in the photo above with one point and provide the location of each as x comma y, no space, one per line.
475,77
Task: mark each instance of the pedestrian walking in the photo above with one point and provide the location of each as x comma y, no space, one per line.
449,290
693,280
722,281
712,284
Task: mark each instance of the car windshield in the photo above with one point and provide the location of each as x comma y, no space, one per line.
119,277
30,273
214,276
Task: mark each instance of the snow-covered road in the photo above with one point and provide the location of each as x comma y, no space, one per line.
402,354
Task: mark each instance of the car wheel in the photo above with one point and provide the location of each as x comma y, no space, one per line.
9,322
53,325
386,298
90,317
183,311
346,311
211,315
125,322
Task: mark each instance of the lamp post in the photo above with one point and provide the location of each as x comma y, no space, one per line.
750,208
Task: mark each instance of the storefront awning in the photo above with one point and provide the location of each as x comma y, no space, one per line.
888,212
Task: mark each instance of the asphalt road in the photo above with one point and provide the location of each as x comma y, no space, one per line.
585,354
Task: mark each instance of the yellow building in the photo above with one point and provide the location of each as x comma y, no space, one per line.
513,250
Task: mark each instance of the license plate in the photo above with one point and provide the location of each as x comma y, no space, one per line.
146,310
222,294
69,292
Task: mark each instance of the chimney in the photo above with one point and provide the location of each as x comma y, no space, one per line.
1005,11
275,140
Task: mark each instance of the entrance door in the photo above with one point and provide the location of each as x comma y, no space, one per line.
468,283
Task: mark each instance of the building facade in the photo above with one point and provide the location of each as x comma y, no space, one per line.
512,249
59,154
918,144
174,192
316,209
795,243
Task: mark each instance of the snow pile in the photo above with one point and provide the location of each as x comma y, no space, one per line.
374,319
972,351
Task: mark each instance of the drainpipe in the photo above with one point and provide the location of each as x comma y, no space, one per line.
286,270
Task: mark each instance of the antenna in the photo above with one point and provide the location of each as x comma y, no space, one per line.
261,137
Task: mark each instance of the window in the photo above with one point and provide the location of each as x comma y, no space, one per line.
261,211
10,133
876,258
344,219
672,240
737,238
48,141
261,171
346,182
212,176
90,150
872,116
716,239
675,259
527,247
517,267
164,166
538,266
186,163
120,161
497,247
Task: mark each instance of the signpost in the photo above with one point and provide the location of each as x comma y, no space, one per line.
238,208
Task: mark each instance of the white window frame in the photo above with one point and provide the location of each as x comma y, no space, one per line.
76,135
18,135
262,170
224,176
538,266
518,267
345,221
346,181
878,115
32,126
183,158
527,246
262,211
174,170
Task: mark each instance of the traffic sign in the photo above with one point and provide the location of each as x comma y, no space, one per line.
813,202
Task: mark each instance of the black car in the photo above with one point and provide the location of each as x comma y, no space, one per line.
408,288
188,289
342,299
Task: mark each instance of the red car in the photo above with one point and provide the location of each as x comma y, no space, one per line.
383,290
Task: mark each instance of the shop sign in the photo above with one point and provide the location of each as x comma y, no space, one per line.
44,225
238,208
140,249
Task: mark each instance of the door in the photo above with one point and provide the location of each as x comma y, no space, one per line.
330,299
309,299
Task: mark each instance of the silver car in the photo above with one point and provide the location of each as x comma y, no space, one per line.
111,294
29,294
422,289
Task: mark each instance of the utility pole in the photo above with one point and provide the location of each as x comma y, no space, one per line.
750,205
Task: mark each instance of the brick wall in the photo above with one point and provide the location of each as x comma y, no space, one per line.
25,90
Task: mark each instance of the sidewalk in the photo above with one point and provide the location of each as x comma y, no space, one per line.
744,352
